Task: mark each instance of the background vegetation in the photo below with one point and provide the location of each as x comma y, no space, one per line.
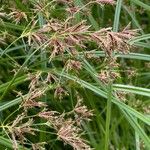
68,81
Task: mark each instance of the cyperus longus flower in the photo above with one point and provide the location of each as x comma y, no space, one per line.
17,15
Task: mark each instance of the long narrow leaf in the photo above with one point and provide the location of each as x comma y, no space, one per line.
132,89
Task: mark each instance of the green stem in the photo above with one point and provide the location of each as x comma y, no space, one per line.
137,139
43,66
108,117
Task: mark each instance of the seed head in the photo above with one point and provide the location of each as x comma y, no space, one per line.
17,15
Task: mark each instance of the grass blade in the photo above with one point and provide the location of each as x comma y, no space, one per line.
117,15
132,89
141,4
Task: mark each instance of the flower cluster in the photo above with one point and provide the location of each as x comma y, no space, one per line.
61,41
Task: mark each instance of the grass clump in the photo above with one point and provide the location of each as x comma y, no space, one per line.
74,75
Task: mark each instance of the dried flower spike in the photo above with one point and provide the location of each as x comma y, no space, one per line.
70,135
60,92
17,15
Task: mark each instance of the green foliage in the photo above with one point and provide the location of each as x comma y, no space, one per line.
120,104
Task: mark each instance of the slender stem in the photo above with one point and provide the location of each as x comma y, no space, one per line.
108,117
137,139
43,66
